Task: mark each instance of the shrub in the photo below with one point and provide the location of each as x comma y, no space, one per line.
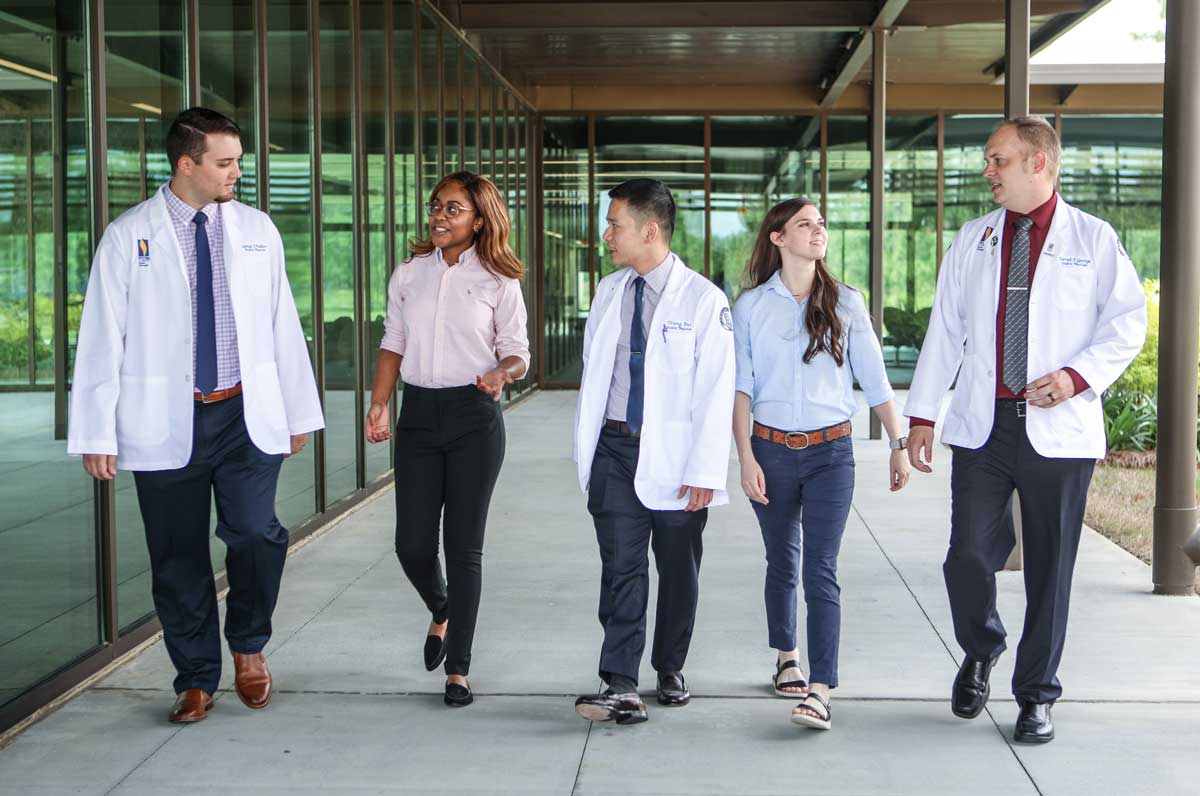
1141,377
1130,421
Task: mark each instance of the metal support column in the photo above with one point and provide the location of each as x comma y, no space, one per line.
262,111
1176,548
878,146
191,43
318,244
58,193
1016,103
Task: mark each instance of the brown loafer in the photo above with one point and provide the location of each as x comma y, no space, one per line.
252,679
190,706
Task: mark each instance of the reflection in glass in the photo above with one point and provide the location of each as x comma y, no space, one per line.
48,582
451,102
431,124
848,203
667,148
375,268
227,47
566,250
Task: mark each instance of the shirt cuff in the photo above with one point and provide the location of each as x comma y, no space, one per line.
913,422
1080,383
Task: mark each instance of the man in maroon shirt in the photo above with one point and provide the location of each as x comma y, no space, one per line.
1038,309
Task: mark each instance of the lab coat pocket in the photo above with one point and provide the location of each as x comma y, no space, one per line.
1075,287
680,350
142,410
270,395
256,274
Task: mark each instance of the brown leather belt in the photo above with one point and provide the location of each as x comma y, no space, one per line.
798,440
218,395
620,426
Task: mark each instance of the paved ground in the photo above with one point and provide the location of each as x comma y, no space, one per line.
356,713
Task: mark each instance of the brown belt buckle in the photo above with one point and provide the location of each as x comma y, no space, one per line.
787,440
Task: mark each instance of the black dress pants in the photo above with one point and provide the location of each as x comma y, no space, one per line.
175,507
625,530
1053,494
449,448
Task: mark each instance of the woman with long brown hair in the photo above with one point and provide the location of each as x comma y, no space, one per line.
455,332
802,338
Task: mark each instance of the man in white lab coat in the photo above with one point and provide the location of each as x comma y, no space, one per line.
652,436
192,371
1038,310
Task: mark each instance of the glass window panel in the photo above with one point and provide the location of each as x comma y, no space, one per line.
431,126
487,98
227,74
910,246
667,148
289,56
375,269
1112,168
966,194
757,161
404,99
337,229
848,202
470,116
452,97
144,71
47,546
566,248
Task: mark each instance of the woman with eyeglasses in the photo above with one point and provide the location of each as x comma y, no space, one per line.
455,333
802,339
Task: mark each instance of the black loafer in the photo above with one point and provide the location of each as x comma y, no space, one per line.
435,652
458,696
971,687
622,708
672,691
1033,724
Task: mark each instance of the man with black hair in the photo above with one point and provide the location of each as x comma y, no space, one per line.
200,409
652,435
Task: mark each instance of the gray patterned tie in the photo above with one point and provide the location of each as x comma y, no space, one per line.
1016,310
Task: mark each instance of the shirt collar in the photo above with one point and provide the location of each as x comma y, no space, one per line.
775,283
1041,215
182,211
467,257
656,279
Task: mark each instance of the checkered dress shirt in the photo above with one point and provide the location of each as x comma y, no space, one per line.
228,370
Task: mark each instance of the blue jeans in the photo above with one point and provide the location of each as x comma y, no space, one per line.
809,492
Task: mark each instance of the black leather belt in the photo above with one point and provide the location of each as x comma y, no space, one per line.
621,427
1014,406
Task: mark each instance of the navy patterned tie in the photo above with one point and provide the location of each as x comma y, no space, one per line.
206,315
1016,311
637,361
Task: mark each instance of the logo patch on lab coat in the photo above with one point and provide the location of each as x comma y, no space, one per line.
143,252
726,319
983,239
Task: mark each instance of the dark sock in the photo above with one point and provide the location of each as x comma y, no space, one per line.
620,684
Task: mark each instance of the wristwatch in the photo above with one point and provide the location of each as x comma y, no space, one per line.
898,444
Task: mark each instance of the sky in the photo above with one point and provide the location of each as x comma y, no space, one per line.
1108,36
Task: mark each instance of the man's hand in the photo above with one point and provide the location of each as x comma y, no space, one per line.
298,443
1050,390
920,448
699,499
100,466
493,382
377,424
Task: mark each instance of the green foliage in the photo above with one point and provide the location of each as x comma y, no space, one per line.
1141,377
1130,421
905,327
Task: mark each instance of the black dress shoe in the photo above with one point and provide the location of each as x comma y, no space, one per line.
435,652
971,687
672,690
1033,724
458,696
625,708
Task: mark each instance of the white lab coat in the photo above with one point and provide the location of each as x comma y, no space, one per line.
689,380
132,393
1086,312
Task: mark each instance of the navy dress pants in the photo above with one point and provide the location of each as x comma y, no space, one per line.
1053,494
175,506
625,530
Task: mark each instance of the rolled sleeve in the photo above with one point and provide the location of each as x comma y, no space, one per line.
865,354
743,356
511,324
393,324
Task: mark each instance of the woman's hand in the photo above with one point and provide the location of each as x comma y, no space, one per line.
754,483
377,424
899,469
493,382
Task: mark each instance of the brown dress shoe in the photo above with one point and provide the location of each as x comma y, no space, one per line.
252,679
190,706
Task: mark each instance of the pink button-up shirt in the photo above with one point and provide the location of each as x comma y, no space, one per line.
453,323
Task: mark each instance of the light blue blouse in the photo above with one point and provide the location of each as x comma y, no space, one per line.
786,393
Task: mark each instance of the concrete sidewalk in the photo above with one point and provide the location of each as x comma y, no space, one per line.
355,711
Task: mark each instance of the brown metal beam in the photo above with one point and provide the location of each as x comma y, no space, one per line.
1016,55
878,156
860,51
845,15
1048,33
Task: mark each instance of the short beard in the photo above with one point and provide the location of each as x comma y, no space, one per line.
223,198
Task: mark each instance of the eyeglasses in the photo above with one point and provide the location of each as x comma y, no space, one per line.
452,209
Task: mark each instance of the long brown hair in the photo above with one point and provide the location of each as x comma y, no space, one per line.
491,241
821,319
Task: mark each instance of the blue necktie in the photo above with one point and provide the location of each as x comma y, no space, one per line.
206,315
637,361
